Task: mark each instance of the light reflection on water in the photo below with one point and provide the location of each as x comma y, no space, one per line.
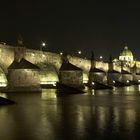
48,94
105,115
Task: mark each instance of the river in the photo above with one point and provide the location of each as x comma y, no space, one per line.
100,115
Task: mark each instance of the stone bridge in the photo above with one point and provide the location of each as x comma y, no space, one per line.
48,62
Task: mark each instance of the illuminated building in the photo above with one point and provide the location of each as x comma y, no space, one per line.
126,55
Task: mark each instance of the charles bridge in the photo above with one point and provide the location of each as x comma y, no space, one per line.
49,64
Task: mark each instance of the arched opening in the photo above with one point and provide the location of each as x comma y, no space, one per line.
48,74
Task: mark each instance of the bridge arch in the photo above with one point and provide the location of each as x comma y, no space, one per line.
48,74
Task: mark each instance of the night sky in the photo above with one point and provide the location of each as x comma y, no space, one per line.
73,25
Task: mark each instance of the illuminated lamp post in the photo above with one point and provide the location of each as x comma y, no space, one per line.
79,52
43,45
101,58
61,53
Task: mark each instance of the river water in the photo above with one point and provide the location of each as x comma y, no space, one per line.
99,115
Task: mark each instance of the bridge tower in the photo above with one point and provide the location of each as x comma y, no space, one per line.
20,50
95,74
23,76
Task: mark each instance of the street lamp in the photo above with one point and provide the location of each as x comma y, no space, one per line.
43,45
127,81
79,52
101,57
61,53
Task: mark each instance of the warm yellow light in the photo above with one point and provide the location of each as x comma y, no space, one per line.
113,81
127,81
93,92
43,44
61,53
93,83
101,57
79,52
43,55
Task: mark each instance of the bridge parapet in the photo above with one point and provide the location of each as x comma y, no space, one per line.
36,57
49,62
85,64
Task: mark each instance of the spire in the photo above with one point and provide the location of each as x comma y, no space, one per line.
20,50
92,56
110,64
121,65
20,40
110,59
64,58
93,62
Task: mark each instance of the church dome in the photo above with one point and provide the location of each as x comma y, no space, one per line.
126,55
126,52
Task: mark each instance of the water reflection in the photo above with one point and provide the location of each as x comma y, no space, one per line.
127,90
48,116
48,94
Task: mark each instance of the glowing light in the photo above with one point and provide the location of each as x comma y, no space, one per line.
93,83
43,44
92,92
101,57
138,81
3,80
114,82
85,81
48,83
43,55
139,87
128,88
79,52
61,53
54,84
3,84
127,81
85,77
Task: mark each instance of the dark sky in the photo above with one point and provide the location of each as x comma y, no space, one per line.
73,25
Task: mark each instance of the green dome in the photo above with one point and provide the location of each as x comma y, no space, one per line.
126,52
